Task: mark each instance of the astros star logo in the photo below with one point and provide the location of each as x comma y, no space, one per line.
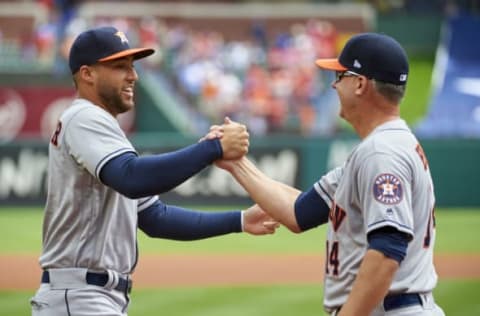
122,37
387,189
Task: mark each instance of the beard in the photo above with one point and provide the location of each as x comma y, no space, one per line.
113,100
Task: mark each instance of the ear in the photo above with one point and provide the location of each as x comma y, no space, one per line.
87,74
361,85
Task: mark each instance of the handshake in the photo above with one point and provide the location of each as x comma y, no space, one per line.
234,139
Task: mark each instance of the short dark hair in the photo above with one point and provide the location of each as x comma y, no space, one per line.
392,92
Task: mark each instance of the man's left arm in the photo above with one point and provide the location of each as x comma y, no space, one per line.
371,285
160,220
387,249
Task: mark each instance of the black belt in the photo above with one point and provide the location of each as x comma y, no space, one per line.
395,301
99,279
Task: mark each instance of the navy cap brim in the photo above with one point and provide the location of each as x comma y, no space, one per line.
330,64
137,53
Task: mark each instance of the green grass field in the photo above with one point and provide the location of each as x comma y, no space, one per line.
20,233
454,235
456,297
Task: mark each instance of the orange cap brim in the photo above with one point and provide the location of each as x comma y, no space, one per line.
136,52
330,64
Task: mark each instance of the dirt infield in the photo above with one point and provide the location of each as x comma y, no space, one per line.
22,271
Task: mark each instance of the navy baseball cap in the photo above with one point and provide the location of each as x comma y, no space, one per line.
102,44
376,56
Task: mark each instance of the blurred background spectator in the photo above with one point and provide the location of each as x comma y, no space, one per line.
266,79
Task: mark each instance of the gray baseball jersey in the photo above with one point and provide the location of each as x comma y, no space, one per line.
384,182
87,224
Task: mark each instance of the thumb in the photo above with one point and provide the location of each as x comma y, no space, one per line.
227,120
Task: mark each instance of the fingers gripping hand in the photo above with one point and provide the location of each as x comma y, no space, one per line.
234,140
257,222
227,165
216,131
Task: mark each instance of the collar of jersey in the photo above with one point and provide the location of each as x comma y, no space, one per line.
397,124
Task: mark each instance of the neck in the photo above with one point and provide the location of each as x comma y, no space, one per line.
374,116
92,97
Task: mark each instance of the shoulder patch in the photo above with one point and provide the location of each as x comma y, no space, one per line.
388,189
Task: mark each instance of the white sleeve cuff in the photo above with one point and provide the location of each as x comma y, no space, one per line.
242,215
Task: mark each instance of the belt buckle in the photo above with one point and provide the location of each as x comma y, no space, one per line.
124,285
129,285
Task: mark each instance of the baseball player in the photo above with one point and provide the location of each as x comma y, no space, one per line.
100,190
379,205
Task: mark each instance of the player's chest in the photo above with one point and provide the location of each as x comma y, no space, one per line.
346,214
347,189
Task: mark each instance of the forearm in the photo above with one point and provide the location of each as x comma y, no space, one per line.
171,222
137,177
275,198
371,285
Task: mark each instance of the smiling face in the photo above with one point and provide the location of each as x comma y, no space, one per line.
114,84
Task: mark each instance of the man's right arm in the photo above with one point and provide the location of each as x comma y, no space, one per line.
137,177
296,210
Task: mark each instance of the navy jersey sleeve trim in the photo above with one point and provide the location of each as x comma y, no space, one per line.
137,177
110,156
166,221
389,241
389,223
310,210
146,203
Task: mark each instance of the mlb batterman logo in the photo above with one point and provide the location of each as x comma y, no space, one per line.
388,189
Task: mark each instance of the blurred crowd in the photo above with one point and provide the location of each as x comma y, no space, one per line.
269,82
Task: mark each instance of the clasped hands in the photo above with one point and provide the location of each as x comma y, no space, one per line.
234,139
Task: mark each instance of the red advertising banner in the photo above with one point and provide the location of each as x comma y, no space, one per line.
27,112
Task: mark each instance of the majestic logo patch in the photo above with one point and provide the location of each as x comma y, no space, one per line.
388,189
